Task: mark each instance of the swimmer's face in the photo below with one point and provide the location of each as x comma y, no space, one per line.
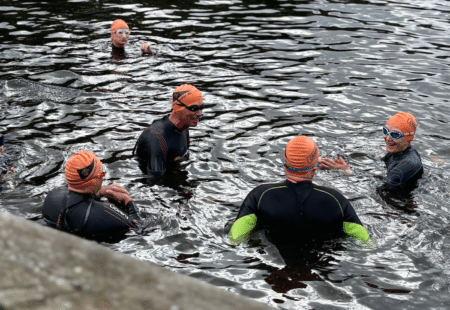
192,118
94,189
120,36
395,146
97,186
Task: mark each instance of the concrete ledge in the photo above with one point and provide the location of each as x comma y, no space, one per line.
42,268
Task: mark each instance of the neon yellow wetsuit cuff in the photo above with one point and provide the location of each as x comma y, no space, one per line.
242,228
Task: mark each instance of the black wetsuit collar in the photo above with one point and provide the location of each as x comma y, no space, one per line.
171,125
407,150
402,152
118,49
298,184
74,198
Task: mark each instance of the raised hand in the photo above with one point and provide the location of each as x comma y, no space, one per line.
115,193
146,49
338,163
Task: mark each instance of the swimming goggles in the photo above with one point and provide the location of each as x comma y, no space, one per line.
192,108
121,32
2,141
298,169
103,173
395,135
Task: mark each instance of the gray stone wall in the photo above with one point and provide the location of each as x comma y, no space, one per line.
42,268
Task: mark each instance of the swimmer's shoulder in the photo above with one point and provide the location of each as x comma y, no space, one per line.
262,189
57,193
328,192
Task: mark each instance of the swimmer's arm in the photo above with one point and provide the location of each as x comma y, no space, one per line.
352,225
102,219
242,228
246,219
132,211
118,194
393,178
157,161
402,171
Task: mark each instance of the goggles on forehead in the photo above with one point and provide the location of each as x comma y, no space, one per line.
395,135
192,108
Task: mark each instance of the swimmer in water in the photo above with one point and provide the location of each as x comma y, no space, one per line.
166,141
78,209
403,162
297,209
120,34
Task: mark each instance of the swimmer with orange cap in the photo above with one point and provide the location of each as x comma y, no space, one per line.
403,163
166,141
120,34
297,209
75,208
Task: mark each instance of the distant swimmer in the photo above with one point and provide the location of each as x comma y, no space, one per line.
166,141
297,209
120,33
77,208
402,161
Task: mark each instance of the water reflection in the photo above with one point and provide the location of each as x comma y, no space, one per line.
271,70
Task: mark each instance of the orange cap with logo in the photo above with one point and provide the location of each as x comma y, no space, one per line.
301,155
82,171
405,122
186,94
118,23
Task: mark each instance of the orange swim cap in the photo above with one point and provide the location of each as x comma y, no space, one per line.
405,122
118,23
301,156
186,94
82,171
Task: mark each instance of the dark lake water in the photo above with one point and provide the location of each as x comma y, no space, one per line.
269,70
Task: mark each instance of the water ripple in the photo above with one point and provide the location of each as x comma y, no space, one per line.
332,70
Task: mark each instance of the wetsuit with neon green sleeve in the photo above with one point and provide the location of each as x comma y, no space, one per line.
296,211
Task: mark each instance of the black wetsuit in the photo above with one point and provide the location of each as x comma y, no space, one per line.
161,145
118,52
83,215
402,167
294,211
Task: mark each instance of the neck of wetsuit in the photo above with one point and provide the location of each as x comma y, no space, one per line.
401,152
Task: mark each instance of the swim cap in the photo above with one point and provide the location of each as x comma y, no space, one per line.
118,23
301,155
186,94
82,171
405,122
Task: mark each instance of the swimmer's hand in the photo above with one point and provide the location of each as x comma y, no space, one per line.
337,163
115,193
145,49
